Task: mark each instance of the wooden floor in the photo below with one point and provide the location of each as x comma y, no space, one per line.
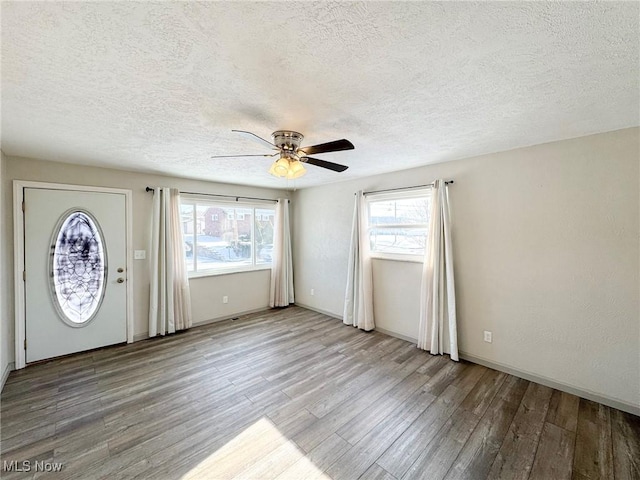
292,394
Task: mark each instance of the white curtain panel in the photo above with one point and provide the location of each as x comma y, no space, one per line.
438,331
170,301
281,290
358,302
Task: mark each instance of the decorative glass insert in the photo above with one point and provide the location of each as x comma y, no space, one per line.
78,267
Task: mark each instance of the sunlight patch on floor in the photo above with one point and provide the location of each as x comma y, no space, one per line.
259,452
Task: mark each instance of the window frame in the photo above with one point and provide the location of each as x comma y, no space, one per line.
395,196
195,201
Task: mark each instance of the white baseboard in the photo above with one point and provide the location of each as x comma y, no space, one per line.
532,377
314,309
230,316
144,335
140,336
10,366
397,335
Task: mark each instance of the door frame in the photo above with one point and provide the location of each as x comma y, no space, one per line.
18,255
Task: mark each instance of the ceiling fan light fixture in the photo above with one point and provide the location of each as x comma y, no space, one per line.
296,169
280,167
287,167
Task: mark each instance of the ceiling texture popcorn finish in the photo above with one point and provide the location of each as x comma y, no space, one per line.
158,87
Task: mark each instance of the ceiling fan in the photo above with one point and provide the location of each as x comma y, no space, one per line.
291,155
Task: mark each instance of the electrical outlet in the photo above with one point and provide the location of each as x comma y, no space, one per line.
225,299
488,336
139,254
313,292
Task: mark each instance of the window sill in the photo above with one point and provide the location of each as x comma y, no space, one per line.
216,273
399,258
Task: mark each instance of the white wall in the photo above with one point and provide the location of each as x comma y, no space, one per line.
546,257
6,346
246,291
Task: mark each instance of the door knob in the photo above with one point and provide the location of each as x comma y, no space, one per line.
120,270
120,280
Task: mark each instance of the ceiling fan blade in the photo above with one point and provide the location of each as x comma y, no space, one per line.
239,156
253,136
324,164
335,146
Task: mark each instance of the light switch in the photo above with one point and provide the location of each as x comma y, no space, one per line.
139,254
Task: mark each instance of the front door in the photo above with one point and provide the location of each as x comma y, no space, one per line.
75,267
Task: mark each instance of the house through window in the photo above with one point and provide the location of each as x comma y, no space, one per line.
223,237
398,223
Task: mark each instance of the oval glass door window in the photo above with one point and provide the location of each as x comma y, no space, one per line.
78,268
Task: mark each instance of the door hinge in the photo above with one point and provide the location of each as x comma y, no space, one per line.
23,206
24,275
25,343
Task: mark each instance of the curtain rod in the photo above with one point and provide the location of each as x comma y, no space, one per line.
237,197
405,188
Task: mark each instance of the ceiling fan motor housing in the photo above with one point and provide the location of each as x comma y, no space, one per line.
288,143
287,140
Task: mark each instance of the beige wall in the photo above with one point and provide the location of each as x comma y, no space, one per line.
246,291
546,257
6,345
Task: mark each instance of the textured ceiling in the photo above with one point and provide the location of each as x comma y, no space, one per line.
158,87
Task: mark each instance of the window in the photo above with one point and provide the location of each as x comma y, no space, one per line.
223,237
398,224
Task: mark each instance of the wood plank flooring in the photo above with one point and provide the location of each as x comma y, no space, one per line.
293,395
